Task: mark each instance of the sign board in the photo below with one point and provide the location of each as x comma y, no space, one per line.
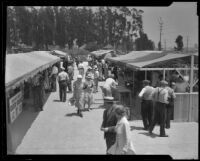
15,106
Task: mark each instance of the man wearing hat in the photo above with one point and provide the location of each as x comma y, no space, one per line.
146,103
89,72
62,80
109,119
96,78
170,105
88,86
160,95
109,86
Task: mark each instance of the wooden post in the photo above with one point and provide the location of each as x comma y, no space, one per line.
164,74
145,74
191,88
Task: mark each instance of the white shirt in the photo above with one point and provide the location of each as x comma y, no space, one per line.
63,76
54,70
146,93
110,82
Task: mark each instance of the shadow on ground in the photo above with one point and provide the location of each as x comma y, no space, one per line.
151,135
56,101
71,114
136,128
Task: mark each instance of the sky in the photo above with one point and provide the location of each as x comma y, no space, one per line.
180,18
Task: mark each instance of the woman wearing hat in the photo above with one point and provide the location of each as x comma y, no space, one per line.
78,94
88,88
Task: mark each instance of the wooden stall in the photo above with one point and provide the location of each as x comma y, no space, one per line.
20,69
144,63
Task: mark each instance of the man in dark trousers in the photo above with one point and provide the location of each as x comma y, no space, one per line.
62,80
160,95
146,103
170,105
71,75
109,119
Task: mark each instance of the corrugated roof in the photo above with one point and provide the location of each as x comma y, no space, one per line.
21,66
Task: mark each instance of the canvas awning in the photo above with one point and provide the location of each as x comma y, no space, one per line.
99,53
22,66
59,53
133,55
144,61
140,59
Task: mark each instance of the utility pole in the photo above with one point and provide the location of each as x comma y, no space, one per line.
165,44
161,25
187,42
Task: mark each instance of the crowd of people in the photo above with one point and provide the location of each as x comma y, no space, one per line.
156,102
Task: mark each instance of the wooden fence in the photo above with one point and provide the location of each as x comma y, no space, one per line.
184,109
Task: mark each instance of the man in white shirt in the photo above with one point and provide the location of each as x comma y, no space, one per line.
146,104
62,80
160,95
109,85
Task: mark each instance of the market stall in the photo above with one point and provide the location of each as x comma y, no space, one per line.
59,53
21,71
101,54
157,65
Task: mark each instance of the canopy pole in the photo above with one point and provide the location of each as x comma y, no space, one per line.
145,74
164,74
191,87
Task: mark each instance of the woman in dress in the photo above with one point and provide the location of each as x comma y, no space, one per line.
123,144
78,94
88,87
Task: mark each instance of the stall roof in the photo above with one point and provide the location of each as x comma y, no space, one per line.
101,52
59,53
21,66
133,55
140,59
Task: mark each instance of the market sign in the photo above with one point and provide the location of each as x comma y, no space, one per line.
15,106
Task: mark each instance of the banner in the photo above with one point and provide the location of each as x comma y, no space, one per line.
15,106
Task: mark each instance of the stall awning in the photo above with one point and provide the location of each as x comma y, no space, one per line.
143,61
99,53
59,53
134,55
21,66
140,59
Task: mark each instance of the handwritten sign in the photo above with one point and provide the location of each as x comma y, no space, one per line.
15,106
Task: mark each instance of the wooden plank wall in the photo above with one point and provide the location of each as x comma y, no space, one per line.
182,105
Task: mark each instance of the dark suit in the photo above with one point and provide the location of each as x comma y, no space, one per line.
109,119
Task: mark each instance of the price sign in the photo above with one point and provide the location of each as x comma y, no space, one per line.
15,106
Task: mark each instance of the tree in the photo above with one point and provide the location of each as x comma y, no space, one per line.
179,43
143,43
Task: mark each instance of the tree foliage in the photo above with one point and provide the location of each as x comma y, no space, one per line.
51,25
179,43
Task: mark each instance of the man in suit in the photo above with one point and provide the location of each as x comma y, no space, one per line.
160,95
109,119
146,103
